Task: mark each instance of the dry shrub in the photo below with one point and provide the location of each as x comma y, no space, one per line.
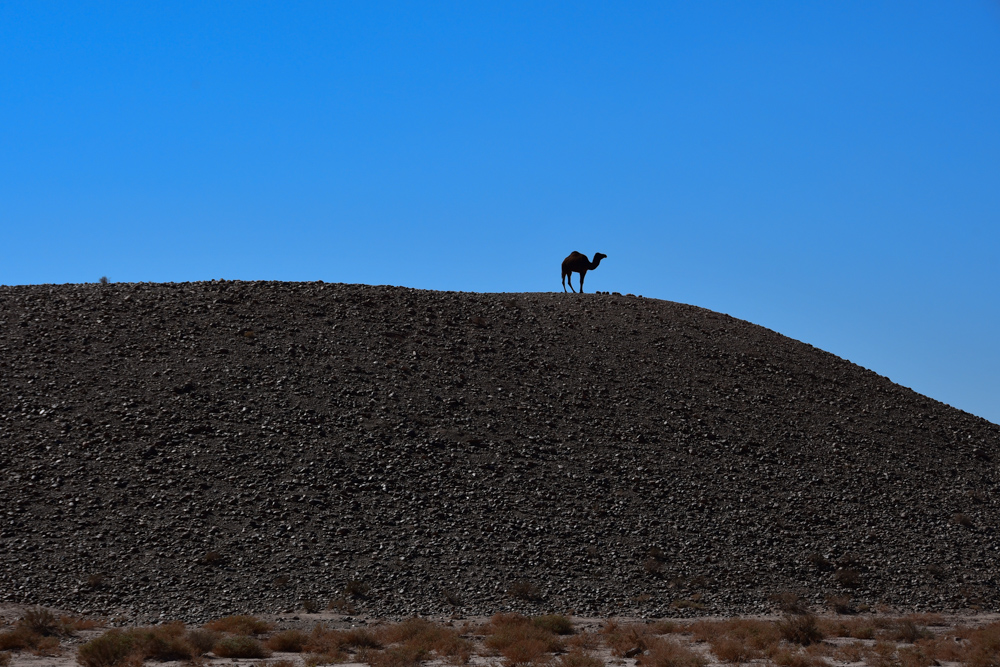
731,649
791,658
915,656
554,623
5,659
73,624
239,625
395,656
739,639
41,621
801,629
665,627
114,648
858,628
18,638
585,641
326,646
164,642
201,640
577,658
240,646
289,641
850,652
524,652
428,638
47,646
275,663
984,647
909,632
625,640
519,640
670,653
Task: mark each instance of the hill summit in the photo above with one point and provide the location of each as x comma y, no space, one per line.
206,448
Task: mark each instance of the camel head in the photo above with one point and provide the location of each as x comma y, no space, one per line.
598,256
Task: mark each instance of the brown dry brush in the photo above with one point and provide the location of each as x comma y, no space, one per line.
38,630
239,625
169,641
663,652
520,640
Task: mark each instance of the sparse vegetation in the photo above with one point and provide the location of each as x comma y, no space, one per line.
114,648
289,641
670,653
239,625
800,629
240,646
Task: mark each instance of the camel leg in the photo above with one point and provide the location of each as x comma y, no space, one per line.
582,274
564,282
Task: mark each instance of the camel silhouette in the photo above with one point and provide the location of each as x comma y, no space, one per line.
579,263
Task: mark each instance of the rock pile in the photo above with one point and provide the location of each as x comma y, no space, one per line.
198,449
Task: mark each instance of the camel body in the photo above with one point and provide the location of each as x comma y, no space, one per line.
578,263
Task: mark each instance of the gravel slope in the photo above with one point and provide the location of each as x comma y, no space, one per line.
204,448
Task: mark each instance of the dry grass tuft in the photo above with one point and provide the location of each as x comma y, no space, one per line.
577,658
18,638
239,625
790,658
430,639
519,640
909,632
240,646
554,623
5,659
114,648
670,653
626,640
42,622
801,629
984,647
289,641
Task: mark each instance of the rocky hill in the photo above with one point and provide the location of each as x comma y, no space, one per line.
204,448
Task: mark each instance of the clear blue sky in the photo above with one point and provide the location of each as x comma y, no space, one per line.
830,170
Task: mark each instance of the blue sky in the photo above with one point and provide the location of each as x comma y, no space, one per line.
830,170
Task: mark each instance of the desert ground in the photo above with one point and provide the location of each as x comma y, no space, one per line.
37,637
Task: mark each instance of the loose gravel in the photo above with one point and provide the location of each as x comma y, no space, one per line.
191,450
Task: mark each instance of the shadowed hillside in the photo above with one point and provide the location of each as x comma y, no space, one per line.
202,448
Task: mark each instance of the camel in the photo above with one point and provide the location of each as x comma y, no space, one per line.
578,262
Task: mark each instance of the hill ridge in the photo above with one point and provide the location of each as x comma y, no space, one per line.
199,448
